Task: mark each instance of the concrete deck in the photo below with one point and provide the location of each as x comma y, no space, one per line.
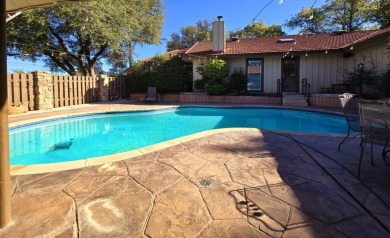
223,183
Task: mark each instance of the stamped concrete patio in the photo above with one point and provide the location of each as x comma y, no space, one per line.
223,183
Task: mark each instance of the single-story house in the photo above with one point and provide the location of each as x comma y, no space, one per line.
320,58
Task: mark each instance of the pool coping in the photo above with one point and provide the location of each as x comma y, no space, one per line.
164,107
101,160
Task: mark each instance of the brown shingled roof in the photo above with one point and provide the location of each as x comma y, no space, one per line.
303,43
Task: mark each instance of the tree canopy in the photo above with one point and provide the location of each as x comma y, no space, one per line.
76,38
381,13
189,35
202,31
307,22
258,29
349,15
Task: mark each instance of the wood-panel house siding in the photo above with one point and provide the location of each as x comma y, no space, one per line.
322,70
323,58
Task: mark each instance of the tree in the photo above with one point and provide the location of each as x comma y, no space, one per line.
349,15
310,20
189,35
175,42
258,29
76,38
381,13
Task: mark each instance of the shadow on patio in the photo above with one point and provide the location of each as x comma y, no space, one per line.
312,193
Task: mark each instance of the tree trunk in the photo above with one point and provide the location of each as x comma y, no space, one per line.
91,71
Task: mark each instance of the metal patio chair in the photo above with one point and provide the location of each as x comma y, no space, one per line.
349,103
375,126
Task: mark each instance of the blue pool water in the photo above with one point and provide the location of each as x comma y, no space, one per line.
76,138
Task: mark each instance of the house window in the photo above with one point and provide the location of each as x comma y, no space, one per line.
254,69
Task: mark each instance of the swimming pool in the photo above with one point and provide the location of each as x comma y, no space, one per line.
76,138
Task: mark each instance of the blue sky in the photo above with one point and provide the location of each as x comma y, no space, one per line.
236,14
178,13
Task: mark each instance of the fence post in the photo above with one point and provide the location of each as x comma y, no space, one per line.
43,90
103,83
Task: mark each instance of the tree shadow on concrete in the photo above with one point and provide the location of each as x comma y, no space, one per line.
307,193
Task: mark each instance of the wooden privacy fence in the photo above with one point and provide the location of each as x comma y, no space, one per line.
74,90
40,90
20,90
117,87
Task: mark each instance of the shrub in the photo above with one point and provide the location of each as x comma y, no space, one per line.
214,88
237,80
160,59
177,76
216,70
138,78
200,70
386,83
358,77
168,75
213,74
200,83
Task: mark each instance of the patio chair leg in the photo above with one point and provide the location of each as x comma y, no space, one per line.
372,152
361,157
384,157
344,139
384,153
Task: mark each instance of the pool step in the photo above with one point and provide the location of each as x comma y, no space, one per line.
294,99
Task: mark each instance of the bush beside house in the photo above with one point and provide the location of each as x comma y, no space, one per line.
365,79
168,75
216,80
386,83
238,80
